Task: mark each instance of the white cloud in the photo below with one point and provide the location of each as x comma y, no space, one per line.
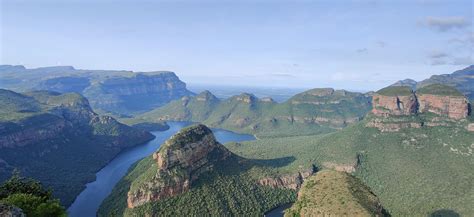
435,54
444,24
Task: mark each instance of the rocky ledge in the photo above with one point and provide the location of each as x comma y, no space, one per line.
292,181
179,161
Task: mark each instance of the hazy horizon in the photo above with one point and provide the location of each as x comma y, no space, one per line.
354,45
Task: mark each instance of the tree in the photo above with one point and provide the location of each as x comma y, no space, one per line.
29,195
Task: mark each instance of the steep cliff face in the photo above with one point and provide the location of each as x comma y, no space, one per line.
447,104
41,128
394,101
455,107
292,181
141,92
443,100
179,162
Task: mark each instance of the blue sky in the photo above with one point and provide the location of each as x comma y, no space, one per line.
358,45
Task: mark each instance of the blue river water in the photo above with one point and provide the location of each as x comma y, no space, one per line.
89,200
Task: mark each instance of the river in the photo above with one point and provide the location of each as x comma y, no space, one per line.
89,200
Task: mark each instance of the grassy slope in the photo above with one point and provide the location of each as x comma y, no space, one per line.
16,106
395,91
334,193
439,89
414,172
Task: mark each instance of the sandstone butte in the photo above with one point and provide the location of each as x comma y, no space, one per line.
397,101
179,161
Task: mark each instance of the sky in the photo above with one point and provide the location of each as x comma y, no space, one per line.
355,45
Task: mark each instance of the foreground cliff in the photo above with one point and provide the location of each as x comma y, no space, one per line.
58,139
109,90
192,172
332,193
315,111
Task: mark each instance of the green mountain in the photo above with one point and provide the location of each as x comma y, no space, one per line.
109,90
312,112
333,193
463,80
58,139
192,174
417,161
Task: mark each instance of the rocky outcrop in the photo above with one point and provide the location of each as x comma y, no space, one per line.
383,105
470,127
455,107
267,100
447,103
292,181
246,98
384,126
180,161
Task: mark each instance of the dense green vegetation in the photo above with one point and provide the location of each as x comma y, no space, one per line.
439,89
312,112
395,91
332,193
221,183
230,189
58,140
30,196
413,172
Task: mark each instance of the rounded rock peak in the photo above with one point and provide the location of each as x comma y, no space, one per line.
321,91
206,95
191,134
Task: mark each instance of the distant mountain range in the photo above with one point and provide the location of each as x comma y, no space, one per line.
314,111
463,80
123,92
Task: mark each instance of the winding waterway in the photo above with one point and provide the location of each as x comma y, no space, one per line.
89,200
